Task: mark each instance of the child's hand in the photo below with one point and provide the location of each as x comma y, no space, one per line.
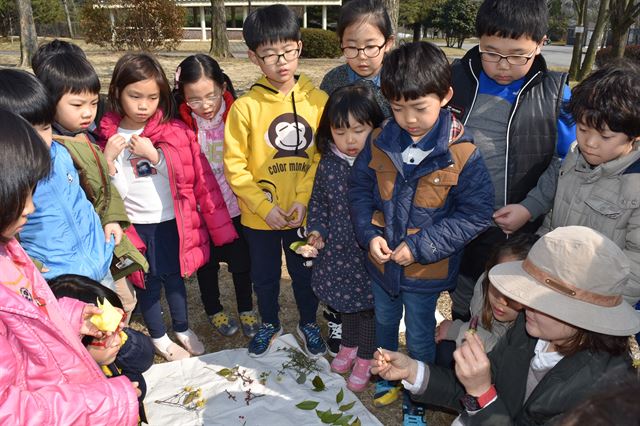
511,217
402,255
114,229
442,329
379,250
114,147
136,387
143,147
394,366
276,218
88,328
296,214
473,368
315,239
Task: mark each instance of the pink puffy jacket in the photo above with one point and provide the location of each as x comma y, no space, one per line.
200,209
46,376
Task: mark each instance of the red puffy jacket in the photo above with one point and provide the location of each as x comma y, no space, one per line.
199,207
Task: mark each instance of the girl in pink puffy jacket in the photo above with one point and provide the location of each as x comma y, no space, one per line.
169,192
47,376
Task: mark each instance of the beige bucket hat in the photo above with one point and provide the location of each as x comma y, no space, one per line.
574,274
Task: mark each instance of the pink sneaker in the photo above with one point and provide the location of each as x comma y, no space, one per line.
344,360
359,378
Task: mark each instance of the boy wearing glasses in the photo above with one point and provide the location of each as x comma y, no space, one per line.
270,161
511,104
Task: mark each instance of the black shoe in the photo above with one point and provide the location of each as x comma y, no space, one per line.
334,324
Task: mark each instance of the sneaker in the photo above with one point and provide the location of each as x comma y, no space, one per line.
386,393
190,342
172,352
412,413
359,378
261,342
344,360
249,323
334,324
223,324
314,346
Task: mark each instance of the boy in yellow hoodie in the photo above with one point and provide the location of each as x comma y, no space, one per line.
270,161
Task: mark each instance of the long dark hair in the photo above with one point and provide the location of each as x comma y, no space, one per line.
356,100
24,160
193,68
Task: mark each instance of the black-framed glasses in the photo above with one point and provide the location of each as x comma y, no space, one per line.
288,55
495,57
207,100
371,51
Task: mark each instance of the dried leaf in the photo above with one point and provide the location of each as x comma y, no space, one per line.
329,417
307,405
301,378
340,396
318,384
347,407
190,397
356,422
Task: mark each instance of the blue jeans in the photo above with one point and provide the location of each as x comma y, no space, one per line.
265,249
419,319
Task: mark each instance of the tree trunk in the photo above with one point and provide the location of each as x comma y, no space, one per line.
28,36
219,40
417,31
576,56
66,12
596,39
618,41
623,15
393,7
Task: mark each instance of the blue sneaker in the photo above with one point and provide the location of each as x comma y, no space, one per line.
412,413
261,342
314,346
386,393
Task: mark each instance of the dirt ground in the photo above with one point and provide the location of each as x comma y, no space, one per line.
243,74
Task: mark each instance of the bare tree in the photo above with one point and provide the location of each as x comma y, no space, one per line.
219,40
68,15
623,15
28,36
596,40
580,7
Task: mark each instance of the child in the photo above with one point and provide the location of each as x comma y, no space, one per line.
599,183
74,86
205,95
47,376
126,352
168,190
510,103
366,35
495,312
338,276
270,161
417,195
573,341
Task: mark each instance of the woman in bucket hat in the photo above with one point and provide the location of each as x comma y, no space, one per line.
570,341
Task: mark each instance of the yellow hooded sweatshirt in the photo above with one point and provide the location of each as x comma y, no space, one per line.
266,161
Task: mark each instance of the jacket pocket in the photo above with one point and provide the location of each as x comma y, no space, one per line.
604,208
432,190
432,271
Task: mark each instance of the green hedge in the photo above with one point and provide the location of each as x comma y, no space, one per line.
317,43
604,55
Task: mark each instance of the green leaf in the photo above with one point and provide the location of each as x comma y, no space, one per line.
340,396
307,405
322,413
224,372
329,417
296,245
347,407
301,378
343,420
356,422
318,384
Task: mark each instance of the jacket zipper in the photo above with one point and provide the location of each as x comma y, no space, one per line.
513,113
176,207
475,94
